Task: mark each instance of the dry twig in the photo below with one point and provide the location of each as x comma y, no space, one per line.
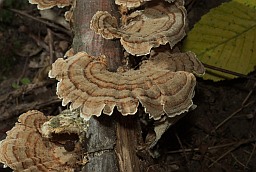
239,162
235,112
251,154
198,149
182,147
229,72
50,43
9,108
42,21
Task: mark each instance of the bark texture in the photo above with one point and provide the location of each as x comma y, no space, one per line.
86,40
111,141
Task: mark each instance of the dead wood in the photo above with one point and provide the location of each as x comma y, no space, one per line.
108,143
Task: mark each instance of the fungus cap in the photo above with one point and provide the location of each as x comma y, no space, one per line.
176,61
46,4
130,3
134,3
24,148
85,82
154,26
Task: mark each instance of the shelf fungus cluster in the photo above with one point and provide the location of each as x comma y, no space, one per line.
158,24
46,4
24,148
164,84
87,84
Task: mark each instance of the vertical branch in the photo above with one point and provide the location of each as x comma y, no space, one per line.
128,138
111,141
86,40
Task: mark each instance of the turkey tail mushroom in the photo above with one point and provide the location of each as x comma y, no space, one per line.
176,61
46,4
86,82
154,26
24,148
130,3
134,3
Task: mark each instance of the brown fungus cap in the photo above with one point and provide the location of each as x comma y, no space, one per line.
24,148
134,3
88,85
156,25
170,1
176,61
46,4
130,3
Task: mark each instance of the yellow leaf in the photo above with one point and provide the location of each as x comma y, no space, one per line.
226,38
249,3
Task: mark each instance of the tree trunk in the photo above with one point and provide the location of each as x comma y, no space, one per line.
111,141
86,40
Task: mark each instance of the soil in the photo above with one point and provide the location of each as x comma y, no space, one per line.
219,135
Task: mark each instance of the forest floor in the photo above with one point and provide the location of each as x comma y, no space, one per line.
219,135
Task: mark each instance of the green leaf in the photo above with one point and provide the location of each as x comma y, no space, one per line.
25,81
249,3
15,85
226,38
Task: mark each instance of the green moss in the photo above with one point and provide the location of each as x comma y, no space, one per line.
55,122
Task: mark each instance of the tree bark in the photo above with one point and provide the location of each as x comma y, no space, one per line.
86,40
111,141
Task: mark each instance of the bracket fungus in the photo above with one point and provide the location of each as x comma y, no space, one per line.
46,4
156,25
86,82
24,148
130,3
134,3
176,61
